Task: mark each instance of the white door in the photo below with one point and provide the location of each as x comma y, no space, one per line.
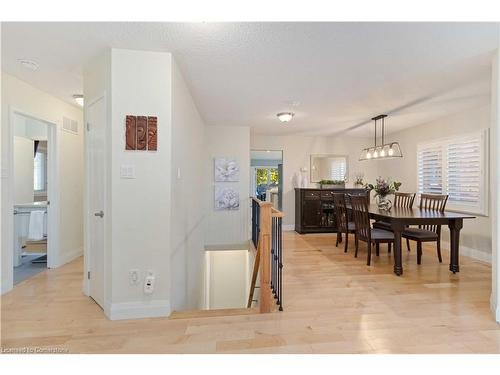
96,120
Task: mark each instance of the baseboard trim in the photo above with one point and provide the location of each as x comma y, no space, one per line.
139,310
288,228
68,257
470,252
495,309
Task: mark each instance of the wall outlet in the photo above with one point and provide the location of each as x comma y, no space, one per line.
149,283
134,277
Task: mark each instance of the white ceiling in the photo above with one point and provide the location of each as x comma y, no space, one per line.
242,74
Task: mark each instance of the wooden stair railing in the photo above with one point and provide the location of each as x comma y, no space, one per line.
264,226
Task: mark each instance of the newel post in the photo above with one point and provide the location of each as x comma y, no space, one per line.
265,257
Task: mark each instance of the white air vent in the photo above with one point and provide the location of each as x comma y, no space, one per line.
70,125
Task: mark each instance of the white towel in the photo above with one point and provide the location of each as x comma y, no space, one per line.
35,231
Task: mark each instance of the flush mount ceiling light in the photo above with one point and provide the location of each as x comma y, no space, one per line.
28,64
79,99
384,150
285,116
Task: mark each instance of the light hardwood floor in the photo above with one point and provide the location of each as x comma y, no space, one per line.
333,303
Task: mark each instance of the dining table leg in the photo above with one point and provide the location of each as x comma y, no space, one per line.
455,225
397,229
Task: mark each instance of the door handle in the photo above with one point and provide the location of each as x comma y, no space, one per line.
100,214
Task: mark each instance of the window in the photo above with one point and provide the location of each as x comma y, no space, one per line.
40,172
458,167
266,176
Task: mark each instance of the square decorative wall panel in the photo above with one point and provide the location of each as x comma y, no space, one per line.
226,198
141,133
226,170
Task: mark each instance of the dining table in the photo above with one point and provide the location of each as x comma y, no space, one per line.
400,218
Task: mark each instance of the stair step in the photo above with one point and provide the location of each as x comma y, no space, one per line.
212,313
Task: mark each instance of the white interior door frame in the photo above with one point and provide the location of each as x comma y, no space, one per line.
53,127
87,207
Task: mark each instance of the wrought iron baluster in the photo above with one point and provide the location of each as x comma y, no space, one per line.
280,264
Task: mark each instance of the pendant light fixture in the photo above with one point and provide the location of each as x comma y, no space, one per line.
384,150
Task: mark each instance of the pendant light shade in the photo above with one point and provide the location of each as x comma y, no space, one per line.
384,150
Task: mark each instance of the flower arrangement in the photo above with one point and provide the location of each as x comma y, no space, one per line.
384,187
358,179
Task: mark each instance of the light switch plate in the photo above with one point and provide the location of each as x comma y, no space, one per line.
127,171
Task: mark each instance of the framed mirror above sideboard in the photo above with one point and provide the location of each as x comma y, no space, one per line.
328,167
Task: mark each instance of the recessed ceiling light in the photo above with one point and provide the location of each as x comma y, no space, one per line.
79,99
285,116
28,64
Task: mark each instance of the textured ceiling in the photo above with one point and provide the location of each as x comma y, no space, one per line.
242,74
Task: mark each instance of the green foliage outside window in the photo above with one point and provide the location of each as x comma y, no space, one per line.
261,176
267,176
273,176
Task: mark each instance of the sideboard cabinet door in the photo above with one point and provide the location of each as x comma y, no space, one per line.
311,213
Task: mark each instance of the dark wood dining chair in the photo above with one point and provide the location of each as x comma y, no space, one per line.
427,233
344,226
364,231
404,200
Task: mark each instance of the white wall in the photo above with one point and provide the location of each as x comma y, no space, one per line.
495,181
140,207
476,234
228,279
296,155
188,194
162,219
18,95
227,227
23,170
166,228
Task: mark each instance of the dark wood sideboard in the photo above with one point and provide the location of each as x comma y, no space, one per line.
314,209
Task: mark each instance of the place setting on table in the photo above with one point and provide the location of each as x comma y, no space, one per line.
400,219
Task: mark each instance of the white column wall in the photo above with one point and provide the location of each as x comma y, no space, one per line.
227,228
495,181
141,83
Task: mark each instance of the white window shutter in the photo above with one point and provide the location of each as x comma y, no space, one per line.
464,170
430,170
457,166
